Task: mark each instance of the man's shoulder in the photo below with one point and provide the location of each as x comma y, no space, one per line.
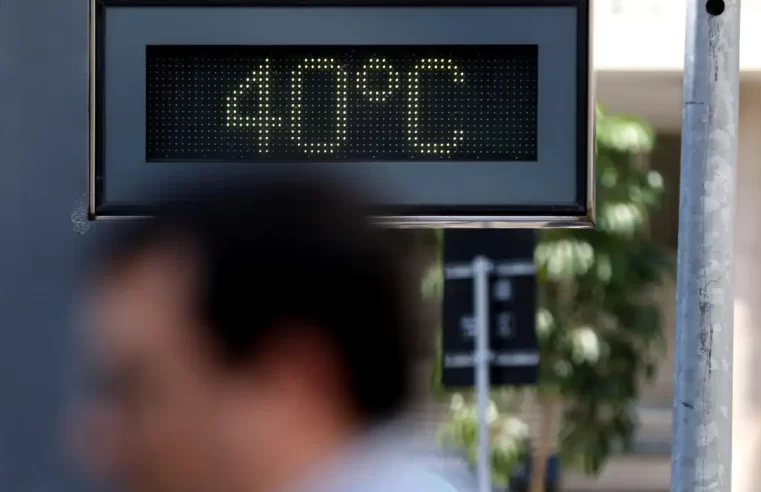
391,461
419,475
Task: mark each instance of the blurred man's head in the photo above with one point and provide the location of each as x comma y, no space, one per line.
242,334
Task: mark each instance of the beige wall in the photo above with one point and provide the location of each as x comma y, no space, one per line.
747,342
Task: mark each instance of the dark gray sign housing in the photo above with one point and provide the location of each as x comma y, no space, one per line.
463,112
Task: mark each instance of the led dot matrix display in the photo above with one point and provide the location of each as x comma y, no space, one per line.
389,103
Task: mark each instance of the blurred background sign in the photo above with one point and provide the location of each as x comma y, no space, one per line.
512,306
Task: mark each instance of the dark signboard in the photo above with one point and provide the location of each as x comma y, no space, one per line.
461,112
512,306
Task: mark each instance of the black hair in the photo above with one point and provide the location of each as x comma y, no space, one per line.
290,248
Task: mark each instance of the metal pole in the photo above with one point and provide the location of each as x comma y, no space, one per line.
481,268
702,440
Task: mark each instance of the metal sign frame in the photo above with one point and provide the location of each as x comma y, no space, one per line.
579,214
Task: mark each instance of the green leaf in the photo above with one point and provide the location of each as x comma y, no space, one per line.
625,134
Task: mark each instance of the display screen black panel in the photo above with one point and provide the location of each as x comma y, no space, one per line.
330,103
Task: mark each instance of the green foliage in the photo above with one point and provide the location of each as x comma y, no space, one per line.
598,320
509,437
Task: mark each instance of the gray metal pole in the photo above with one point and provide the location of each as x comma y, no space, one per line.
702,440
481,268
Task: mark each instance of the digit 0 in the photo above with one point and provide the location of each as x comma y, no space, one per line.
413,106
319,64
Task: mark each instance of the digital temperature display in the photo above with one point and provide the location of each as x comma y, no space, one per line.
341,103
